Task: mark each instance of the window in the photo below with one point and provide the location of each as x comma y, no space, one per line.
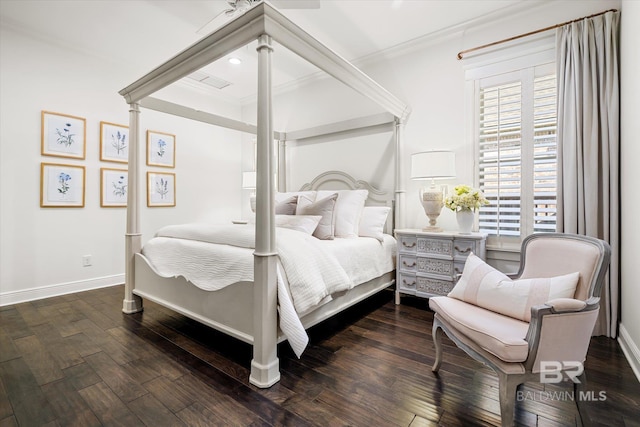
515,136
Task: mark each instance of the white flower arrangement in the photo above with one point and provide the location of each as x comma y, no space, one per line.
465,197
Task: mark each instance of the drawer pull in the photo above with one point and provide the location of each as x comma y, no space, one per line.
407,265
404,281
413,244
463,251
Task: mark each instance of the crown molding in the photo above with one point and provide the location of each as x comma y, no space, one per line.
416,44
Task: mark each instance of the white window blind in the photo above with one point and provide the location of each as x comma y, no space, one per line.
517,152
545,154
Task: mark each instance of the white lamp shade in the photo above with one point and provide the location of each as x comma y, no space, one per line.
249,180
433,165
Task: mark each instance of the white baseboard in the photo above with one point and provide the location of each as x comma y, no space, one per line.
630,350
15,297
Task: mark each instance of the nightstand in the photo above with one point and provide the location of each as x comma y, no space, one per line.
427,263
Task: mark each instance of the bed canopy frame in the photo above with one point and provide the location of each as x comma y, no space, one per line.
265,24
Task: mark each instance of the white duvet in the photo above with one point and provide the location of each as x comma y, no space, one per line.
214,256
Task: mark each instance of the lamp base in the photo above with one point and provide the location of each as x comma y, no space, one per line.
432,201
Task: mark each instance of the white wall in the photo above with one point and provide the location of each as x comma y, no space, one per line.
41,248
630,155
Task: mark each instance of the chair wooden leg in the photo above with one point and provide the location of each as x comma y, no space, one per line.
437,341
508,385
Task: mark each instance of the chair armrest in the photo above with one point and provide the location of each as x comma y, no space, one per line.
563,305
560,327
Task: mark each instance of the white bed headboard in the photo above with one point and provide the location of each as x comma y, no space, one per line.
337,180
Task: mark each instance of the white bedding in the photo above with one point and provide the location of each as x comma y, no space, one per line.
214,256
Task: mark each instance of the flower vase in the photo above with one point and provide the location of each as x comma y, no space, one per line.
465,219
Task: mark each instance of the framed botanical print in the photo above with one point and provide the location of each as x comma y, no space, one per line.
161,149
114,142
161,189
61,186
63,135
113,187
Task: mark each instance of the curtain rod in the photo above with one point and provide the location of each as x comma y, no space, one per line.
531,33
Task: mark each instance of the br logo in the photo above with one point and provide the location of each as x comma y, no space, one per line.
553,372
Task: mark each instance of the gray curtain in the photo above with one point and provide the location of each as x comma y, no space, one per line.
589,144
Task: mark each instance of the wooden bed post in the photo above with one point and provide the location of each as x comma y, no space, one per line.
400,176
399,214
133,239
265,369
282,165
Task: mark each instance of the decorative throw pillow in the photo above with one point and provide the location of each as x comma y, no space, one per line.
287,206
486,287
372,221
348,209
305,223
325,209
310,196
305,200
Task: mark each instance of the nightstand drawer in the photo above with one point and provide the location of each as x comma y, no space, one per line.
458,267
429,263
439,267
407,244
462,248
438,247
407,262
407,282
432,287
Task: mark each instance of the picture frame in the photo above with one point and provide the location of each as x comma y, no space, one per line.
161,149
161,189
63,135
61,185
113,187
114,142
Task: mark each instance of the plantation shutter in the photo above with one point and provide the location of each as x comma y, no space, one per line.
545,172
517,152
500,166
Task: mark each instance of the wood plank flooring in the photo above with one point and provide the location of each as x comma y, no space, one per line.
76,360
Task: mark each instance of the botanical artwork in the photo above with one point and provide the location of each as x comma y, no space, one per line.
114,142
61,185
161,149
113,187
62,135
161,189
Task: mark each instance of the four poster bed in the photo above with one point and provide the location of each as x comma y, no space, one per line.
262,309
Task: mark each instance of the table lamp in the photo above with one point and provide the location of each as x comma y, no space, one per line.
436,164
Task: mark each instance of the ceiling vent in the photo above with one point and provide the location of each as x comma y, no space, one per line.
209,80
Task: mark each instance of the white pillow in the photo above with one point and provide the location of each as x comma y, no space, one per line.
372,221
305,200
282,196
486,287
310,196
287,206
325,209
305,223
348,210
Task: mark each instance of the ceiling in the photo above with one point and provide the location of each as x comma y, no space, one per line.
145,33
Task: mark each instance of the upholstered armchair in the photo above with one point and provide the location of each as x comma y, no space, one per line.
527,337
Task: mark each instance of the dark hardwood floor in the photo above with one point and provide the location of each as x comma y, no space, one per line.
76,360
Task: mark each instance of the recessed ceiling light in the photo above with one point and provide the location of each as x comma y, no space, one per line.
235,61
